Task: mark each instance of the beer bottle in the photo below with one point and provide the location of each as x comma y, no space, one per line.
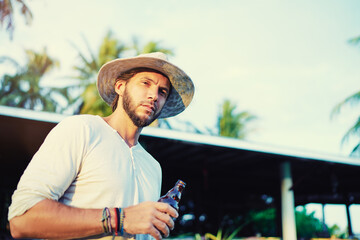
173,196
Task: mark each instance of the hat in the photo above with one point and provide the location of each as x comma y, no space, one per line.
182,87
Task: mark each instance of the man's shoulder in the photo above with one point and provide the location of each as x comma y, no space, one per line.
77,122
80,119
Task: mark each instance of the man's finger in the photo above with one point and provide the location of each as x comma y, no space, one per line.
166,208
155,234
162,227
164,217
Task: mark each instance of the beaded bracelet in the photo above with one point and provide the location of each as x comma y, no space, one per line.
121,225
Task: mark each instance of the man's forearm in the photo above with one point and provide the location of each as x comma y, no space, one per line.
51,219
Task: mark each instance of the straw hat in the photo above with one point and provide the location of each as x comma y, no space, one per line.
182,88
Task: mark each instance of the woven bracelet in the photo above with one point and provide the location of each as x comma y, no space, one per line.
104,220
109,220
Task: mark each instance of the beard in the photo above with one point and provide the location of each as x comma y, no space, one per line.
130,108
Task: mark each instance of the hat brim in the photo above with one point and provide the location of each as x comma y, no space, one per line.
182,86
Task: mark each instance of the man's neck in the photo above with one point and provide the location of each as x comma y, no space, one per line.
125,127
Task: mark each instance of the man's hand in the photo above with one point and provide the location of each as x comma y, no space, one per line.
151,218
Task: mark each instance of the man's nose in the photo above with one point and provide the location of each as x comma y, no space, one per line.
153,94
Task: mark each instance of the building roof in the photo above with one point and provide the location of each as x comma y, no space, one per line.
195,138
212,166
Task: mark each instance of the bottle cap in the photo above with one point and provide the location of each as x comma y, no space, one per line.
181,182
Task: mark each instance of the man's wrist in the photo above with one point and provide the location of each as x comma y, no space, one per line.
119,221
112,221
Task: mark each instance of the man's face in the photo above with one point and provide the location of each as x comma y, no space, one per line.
144,96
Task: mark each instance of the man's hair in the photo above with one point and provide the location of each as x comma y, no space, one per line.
127,75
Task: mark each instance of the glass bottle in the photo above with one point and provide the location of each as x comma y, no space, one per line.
173,196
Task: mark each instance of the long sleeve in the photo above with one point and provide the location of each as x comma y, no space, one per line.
52,168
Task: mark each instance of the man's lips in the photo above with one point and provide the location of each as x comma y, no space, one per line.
148,107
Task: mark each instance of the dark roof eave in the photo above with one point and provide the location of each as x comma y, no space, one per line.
195,138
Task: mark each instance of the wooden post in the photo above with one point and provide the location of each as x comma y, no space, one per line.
287,203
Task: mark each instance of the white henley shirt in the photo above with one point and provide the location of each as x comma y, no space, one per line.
85,163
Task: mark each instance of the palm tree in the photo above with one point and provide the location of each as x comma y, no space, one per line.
351,100
149,47
355,129
89,99
7,14
111,48
23,89
231,124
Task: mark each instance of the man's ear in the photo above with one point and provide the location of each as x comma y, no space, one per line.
120,87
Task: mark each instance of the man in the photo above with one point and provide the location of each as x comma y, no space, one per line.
91,178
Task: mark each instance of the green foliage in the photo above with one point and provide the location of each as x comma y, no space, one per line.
23,89
86,74
335,231
352,100
220,236
149,47
232,124
7,14
198,236
89,65
93,104
259,220
307,225
355,40
263,221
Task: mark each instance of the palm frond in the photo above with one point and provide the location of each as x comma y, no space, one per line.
93,63
235,232
232,124
354,40
353,131
7,14
356,150
26,12
351,100
88,66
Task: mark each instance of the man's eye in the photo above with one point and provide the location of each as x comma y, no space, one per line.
164,93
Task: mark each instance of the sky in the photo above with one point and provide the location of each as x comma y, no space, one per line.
287,62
